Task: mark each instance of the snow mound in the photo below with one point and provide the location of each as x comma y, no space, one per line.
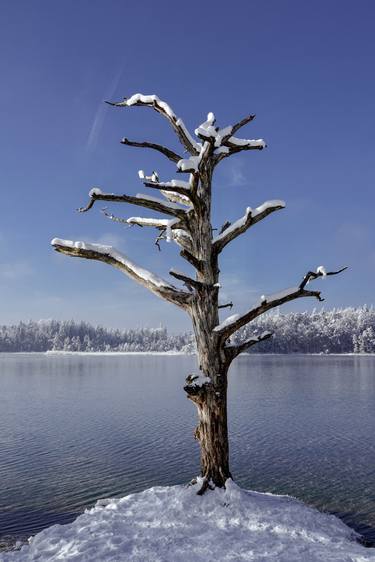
173,524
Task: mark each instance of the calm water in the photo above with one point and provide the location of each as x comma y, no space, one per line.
75,429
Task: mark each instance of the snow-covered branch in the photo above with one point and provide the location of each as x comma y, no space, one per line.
232,350
157,223
164,109
320,272
232,145
251,217
171,227
110,255
207,131
141,200
175,190
267,302
173,156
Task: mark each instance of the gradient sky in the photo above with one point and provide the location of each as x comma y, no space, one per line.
305,68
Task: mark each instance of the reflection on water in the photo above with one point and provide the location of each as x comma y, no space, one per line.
75,429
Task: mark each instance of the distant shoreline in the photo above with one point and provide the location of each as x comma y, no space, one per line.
51,353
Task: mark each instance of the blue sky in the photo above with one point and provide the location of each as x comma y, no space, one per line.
304,68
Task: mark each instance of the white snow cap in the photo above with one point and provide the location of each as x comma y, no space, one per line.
95,191
188,164
150,100
177,198
227,322
142,273
322,270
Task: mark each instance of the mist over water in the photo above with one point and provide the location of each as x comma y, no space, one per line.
75,429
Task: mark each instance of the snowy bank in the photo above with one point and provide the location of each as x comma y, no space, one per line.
173,524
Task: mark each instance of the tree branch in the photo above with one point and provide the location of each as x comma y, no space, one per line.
195,262
251,217
109,255
320,272
162,225
173,156
235,322
174,187
226,133
140,200
228,305
231,351
242,123
163,108
186,279
232,145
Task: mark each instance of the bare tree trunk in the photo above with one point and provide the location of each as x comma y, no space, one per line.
212,434
210,397
211,401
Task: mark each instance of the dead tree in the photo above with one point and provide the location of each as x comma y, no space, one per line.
187,205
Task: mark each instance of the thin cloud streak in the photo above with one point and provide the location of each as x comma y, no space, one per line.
100,114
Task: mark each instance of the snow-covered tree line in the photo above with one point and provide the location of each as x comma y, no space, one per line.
348,330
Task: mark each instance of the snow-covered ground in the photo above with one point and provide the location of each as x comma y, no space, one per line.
173,524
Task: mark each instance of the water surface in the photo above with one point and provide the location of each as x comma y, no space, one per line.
78,428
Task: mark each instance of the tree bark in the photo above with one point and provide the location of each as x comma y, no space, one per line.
212,434
210,397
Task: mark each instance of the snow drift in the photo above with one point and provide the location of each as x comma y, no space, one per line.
173,524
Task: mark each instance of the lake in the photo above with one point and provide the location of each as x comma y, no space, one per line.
78,428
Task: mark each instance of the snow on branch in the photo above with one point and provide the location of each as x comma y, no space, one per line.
182,238
251,217
219,137
141,200
110,255
173,156
320,272
177,197
232,145
235,322
232,350
189,164
179,186
164,109
245,144
166,225
175,190
157,223
194,164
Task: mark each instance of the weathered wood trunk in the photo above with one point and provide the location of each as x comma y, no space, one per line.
212,434
210,397
211,401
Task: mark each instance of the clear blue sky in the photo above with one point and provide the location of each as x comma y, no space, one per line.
305,68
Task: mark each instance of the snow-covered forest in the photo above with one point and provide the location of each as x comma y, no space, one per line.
348,330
